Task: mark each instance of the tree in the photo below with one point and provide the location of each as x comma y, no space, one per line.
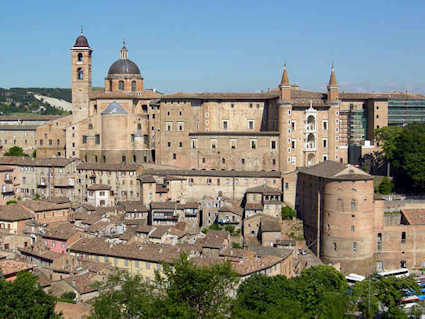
372,292
24,298
387,137
202,292
15,151
182,290
12,201
386,186
288,213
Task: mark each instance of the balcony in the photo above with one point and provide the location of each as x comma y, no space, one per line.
310,128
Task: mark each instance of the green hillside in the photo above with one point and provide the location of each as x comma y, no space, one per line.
21,100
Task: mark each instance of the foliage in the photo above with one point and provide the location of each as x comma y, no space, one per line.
36,197
236,245
288,213
181,291
24,298
68,297
34,154
15,151
319,292
387,291
215,227
204,230
229,228
404,148
386,186
12,201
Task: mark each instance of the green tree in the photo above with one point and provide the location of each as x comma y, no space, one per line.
200,292
12,201
372,292
24,298
15,151
288,213
387,138
386,186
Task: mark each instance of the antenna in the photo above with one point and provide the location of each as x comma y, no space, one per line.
81,29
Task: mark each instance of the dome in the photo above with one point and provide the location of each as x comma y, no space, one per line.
124,66
114,108
81,42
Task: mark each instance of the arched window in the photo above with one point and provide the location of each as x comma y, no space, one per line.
311,123
80,73
121,85
340,204
353,204
80,57
311,141
133,86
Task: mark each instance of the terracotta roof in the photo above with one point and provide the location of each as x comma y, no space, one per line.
221,96
98,226
10,267
188,205
252,265
264,189
263,251
40,162
14,212
164,205
145,229
231,208
62,231
414,216
235,133
149,252
254,206
133,206
83,283
146,94
29,117
45,254
6,169
108,167
285,79
98,187
213,173
147,179
159,231
59,200
42,206
216,239
18,127
336,171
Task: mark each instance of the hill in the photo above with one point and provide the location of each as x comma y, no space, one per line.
46,101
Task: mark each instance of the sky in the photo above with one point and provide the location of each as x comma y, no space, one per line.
220,46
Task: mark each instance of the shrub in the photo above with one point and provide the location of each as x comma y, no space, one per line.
386,186
288,213
236,245
12,201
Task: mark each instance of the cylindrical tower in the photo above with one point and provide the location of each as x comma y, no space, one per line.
347,227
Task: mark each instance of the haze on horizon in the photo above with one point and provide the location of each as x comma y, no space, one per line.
234,46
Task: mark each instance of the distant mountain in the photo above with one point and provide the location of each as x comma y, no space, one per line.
51,101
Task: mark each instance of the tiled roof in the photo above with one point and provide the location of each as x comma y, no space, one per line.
335,170
6,169
42,206
213,173
264,189
83,283
147,179
146,94
252,265
18,127
9,267
188,205
29,118
108,167
263,251
235,133
114,108
62,231
98,187
159,231
41,253
414,216
215,239
270,224
40,162
164,205
231,208
133,206
14,212
145,229
222,96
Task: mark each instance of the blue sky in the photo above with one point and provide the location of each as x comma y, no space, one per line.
220,45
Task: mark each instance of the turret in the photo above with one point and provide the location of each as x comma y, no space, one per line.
285,87
332,87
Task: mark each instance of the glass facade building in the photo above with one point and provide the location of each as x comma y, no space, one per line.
406,111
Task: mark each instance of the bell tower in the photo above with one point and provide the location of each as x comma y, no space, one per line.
284,114
81,78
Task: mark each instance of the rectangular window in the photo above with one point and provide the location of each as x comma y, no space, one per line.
84,139
250,124
169,126
403,237
232,144
354,247
180,126
97,137
325,143
293,125
193,143
213,144
273,145
293,144
225,124
253,144
325,124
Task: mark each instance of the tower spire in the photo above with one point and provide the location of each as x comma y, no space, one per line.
285,79
332,80
333,86
81,29
124,51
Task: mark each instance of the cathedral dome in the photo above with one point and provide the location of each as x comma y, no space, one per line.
81,42
124,66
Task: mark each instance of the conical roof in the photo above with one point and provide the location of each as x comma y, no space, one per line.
114,108
332,80
285,79
81,42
